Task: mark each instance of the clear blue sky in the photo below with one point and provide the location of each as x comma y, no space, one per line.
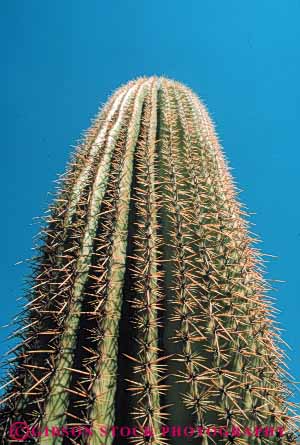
60,61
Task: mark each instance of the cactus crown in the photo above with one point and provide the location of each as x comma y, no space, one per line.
148,304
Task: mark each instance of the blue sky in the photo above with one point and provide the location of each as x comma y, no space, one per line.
61,60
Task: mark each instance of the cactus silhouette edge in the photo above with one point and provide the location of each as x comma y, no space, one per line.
148,304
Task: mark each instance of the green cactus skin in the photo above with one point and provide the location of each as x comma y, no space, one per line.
148,305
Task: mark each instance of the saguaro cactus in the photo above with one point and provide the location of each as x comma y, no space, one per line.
148,306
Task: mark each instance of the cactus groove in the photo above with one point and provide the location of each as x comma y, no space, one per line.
148,305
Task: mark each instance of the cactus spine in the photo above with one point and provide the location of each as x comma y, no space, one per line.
148,305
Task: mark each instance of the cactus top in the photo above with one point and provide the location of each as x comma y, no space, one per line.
148,305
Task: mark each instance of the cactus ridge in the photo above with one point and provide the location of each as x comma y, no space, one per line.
148,303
